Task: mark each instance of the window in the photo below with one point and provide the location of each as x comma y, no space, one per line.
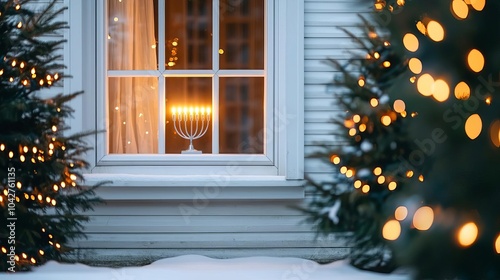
187,68
242,59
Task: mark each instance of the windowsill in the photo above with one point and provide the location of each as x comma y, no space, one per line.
192,187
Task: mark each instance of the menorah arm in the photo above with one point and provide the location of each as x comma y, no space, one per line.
179,130
203,129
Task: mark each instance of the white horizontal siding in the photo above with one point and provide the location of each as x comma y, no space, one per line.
140,230
324,40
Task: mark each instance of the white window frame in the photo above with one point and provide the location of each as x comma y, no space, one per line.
283,159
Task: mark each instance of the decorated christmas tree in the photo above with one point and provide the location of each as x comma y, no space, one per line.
372,163
41,196
452,229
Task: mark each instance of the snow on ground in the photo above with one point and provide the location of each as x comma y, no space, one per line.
203,268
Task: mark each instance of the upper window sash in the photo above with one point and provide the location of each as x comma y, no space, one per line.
267,137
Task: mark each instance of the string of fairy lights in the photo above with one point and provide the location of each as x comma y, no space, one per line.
359,125
440,89
27,76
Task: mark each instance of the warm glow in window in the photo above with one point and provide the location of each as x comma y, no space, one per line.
161,55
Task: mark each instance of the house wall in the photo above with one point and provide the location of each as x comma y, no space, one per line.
134,230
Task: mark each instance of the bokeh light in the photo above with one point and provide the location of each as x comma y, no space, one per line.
495,133
381,179
349,123
374,102
478,5
425,84
391,230
335,159
462,91
365,189
392,186
379,5
435,31
441,90
401,213
421,27
357,184
362,127
377,171
386,120
475,60
467,234
399,106
352,131
415,65
410,41
473,126
349,173
423,218
343,169
497,244
361,81
459,9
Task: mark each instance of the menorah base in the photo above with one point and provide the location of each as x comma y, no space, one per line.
191,152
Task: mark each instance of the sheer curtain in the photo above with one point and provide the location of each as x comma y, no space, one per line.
132,101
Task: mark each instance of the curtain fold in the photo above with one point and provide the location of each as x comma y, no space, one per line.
132,101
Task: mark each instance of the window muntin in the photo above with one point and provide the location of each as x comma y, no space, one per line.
213,56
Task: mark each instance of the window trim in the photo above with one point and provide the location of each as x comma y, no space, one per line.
288,127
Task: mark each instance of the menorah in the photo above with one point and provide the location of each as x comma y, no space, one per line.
187,124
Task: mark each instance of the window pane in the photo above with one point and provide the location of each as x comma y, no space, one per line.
188,93
131,35
241,115
188,34
242,34
133,115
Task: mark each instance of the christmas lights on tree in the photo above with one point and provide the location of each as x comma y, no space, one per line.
452,224
41,191
373,163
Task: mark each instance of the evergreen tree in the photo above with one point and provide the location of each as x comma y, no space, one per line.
41,194
453,226
372,162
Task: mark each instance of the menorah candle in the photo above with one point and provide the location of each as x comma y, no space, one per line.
187,123
190,113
